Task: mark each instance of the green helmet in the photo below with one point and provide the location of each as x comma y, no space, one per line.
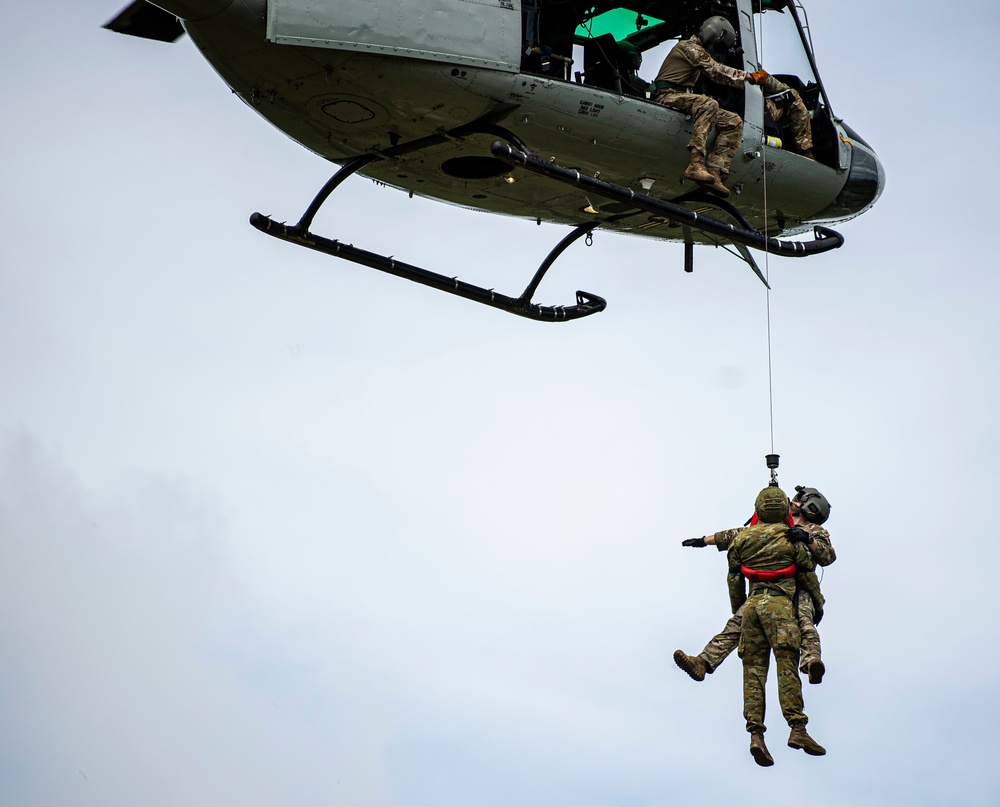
812,504
771,505
717,34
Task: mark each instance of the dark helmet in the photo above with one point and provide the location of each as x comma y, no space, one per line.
717,34
812,504
632,55
771,505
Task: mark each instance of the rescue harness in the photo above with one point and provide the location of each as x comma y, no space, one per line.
768,575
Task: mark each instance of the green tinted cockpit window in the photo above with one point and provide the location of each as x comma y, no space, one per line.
619,22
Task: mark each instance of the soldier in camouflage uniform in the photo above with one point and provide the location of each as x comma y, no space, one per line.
809,509
687,61
764,555
780,100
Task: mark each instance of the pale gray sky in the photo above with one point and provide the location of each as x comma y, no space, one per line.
277,529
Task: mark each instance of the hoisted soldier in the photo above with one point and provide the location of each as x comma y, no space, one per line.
809,511
687,61
763,555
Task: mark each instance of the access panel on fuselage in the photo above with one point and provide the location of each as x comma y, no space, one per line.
483,33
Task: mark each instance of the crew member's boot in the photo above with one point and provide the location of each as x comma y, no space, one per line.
759,751
695,666
808,154
814,668
716,185
799,738
697,171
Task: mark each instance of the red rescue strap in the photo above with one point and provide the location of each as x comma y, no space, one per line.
788,520
768,575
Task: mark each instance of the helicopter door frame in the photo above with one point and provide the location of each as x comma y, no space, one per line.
753,111
484,33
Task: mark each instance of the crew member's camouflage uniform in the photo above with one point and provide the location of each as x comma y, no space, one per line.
684,64
722,644
781,99
768,621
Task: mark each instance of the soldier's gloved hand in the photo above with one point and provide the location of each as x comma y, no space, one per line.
694,542
758,76
797,535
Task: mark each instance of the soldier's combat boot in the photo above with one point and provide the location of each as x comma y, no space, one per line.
695,666
759,751
697,170
716,185
808,154
799,738
815,669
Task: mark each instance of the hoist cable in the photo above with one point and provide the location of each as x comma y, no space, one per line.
767,266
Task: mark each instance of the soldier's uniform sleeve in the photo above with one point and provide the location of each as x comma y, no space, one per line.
725,538
803,558
737,585
822,549
698,57
772,86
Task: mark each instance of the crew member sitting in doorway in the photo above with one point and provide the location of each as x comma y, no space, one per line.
687,61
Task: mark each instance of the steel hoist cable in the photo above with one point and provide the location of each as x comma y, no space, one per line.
767,252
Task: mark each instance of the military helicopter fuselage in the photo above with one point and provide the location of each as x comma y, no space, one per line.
422,87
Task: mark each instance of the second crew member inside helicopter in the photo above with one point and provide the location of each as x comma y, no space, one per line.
687,61
784,102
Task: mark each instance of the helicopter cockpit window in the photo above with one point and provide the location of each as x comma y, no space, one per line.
782,52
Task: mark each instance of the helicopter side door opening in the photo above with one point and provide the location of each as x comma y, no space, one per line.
604,45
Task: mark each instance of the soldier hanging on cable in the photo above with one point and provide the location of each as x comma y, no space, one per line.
763,555
809,510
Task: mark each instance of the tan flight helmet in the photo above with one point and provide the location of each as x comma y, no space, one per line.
771,505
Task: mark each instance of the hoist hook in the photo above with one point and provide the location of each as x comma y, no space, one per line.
772,465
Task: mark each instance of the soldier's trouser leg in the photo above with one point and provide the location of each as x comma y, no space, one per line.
782,629
799,123
756,655
703,111
729,126
722,644
790,687
810,646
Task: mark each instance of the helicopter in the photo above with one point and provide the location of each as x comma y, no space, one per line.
482,104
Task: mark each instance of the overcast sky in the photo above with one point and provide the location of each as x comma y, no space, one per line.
277,529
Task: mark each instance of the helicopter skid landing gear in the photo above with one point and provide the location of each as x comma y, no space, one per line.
586,303
741,234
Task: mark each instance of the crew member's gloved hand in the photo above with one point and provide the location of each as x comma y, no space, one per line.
694,542
758,76
797,535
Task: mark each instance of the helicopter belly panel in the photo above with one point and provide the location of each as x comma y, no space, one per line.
467,32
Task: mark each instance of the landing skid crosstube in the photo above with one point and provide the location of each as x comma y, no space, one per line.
742,234
586,303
